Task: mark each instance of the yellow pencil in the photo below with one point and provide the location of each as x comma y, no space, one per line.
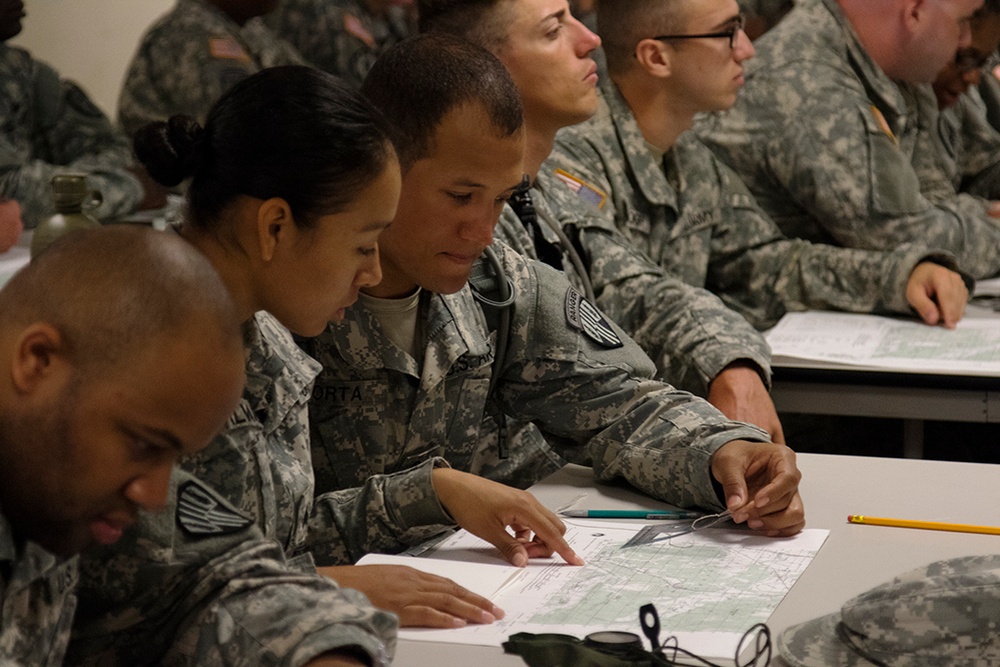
925,525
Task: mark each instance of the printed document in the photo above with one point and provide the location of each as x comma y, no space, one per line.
709,587
817,339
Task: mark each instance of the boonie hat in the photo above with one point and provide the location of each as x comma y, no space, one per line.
944,614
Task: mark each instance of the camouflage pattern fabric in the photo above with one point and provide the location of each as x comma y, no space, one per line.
189,58
340,36
825,141
969,147
696,219
567,369
36,602
48,125
222,576
940,614
688,332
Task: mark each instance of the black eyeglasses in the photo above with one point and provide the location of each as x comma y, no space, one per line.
969,59
730,33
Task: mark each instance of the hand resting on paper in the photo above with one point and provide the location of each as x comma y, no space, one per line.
760,483
510,519
420,599
938,294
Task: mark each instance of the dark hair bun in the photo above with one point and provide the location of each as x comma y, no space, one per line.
170,151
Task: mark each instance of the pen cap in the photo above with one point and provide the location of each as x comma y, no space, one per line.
946,613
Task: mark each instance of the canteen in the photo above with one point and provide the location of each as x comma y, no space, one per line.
72,199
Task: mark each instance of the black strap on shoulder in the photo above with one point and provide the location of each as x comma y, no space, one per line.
493,289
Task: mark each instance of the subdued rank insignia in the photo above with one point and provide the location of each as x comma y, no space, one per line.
583,316
883,123
199,512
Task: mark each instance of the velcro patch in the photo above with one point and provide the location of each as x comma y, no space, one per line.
883,123
227,48
354,26
199,512
583,190
583,316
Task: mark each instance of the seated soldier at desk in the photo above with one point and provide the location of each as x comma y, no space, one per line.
49,125
193,54
690,213
513,371
99,398
825,139
968,151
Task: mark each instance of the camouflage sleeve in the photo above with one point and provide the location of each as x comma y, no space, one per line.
70,134
689,333
761,274
179,72
387,515
864,191
979,154
587,386
199,585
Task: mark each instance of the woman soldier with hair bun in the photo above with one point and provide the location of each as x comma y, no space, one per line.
292,179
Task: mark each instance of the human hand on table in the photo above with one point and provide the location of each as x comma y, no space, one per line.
420,599
938,294
739,393
760,482
488,509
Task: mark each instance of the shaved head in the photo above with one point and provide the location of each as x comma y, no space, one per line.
622,24
110,291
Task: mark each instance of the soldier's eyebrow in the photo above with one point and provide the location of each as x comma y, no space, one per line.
728,23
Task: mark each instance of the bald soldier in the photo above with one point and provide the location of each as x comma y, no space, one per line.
121,351
826,140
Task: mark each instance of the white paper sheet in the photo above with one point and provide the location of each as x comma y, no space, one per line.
869,341
709,587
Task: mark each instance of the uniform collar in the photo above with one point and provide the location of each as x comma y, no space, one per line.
454,327
881,90
647,173
279,374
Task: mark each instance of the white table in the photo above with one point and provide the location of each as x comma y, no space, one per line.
844,390
854,558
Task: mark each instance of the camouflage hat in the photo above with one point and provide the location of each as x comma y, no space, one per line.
946,613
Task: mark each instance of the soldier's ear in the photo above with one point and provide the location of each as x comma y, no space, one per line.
275,226
39,359
653,56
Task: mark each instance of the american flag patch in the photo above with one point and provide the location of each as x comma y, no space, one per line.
583,190
583,316
228,48
199,512
354,26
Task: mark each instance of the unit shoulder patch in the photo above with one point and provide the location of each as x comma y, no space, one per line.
586,318
583,190
200,512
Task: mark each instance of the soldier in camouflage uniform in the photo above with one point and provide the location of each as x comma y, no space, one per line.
970,146
343,37
192,55
48,125
696,342
683,207
93,419
166,594
825,139
452,378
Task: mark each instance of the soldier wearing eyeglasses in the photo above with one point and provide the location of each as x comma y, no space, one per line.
690,213
825,138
